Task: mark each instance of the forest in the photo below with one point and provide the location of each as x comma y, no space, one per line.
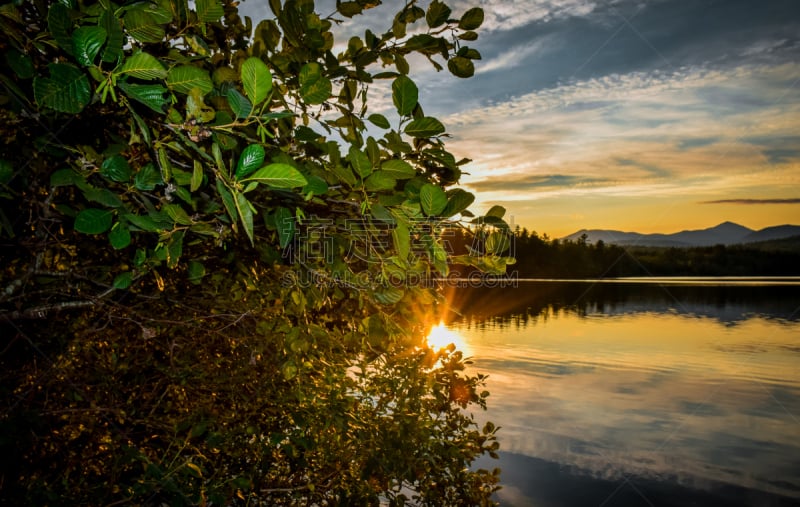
542,257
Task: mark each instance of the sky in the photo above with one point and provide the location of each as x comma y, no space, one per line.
635,115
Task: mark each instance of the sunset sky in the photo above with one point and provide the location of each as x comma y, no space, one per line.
639,115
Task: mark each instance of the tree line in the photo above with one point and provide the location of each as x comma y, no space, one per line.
538,256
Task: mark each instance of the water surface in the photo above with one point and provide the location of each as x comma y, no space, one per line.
640,393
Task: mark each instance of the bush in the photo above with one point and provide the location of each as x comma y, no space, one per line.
208,256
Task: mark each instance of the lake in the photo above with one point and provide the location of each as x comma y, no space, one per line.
640,392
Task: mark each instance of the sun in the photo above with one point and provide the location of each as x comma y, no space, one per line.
440,337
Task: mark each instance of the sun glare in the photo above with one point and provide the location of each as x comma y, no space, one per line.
440,337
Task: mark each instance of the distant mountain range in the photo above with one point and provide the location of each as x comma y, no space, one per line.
726,233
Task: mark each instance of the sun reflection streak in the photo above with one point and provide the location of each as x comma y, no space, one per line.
440,337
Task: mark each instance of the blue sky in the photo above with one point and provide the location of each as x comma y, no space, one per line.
648,115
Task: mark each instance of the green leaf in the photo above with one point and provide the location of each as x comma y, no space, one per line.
316,185
379,120
458,201
165,11
178,9
343,174
120,236
183,78
433,199
20,63
196,272
60,25
379,180
66,90
245,211
123,280
437,14
424,43
388,295
143,26
164,164
279,175
472,54
348,9
197,109
86,42
404,95
497,242
402,64
496,211
471,19
102,196
401,237
143,65
147,178
425,127
241,107
209,10
65,178
460,66
491,220
143,128
116,168
314,87
7,173
373,151
256,80
174,248
93,221
197,176
146,223
360,162
227,201
398,169
251,159
177,214
438,256
115,36
151,96
286,225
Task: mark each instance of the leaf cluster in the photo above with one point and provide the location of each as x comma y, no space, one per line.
165,155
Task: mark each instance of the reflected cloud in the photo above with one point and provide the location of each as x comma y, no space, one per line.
648,396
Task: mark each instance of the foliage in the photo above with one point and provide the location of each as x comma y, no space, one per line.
211,250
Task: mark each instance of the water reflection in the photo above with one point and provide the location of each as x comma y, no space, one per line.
728,304
441,337
636,394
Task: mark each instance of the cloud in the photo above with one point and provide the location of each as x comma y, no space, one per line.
611,124
522,182
753,201
516,55
697,142
511,14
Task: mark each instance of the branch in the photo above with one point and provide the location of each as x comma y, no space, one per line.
40,312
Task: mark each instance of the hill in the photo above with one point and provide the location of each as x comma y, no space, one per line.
726,233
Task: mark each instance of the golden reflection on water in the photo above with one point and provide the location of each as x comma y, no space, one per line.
652,394
757,349
440,337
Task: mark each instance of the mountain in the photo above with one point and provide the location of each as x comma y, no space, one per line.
726,233
771,233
